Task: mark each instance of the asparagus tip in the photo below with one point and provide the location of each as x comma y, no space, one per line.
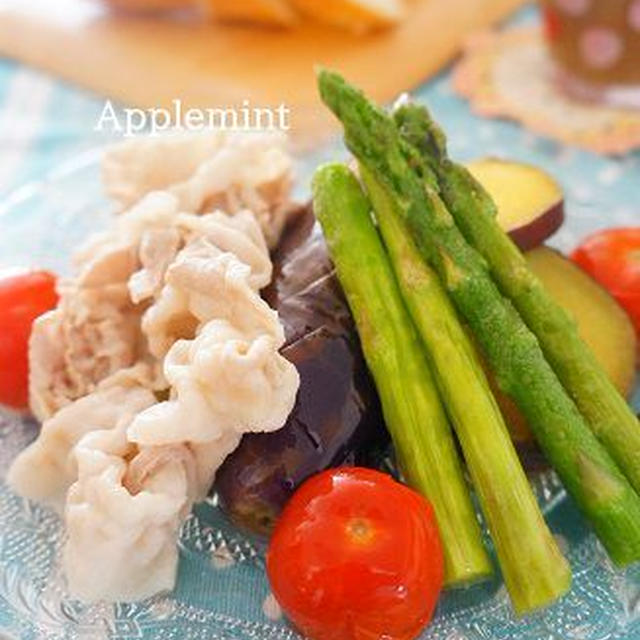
330,172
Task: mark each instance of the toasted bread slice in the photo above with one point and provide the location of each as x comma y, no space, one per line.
354,15
149,6
270,12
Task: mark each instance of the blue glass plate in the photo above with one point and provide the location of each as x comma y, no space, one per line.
222,593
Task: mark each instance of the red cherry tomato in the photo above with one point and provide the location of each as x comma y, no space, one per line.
23,297
356,556
612,257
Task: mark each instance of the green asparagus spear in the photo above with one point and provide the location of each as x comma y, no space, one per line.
588,472
606,411
533,567
413,413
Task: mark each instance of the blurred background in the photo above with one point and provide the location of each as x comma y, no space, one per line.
554,82
63,58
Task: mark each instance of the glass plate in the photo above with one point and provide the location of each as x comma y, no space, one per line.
221,592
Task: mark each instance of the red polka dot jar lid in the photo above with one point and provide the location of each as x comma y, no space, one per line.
514,74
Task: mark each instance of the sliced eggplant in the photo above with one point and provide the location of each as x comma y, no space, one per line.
336,419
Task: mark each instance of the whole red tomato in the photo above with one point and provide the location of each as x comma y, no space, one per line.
356,556
23,297
612,257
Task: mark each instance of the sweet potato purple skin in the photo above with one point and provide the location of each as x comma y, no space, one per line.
535,232
336,419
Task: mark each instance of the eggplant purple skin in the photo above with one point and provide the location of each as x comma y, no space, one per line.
336,419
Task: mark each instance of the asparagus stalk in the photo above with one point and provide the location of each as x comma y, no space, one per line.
534,570
606,411
413,413
588,472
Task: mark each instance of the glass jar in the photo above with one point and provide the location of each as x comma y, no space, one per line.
595,45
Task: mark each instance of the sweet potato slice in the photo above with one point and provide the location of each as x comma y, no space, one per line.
530,202
602,323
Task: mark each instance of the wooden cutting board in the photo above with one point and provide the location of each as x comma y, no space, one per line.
148,62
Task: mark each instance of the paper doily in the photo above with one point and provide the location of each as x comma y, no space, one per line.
510,74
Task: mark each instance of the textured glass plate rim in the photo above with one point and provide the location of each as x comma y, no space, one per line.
56,616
